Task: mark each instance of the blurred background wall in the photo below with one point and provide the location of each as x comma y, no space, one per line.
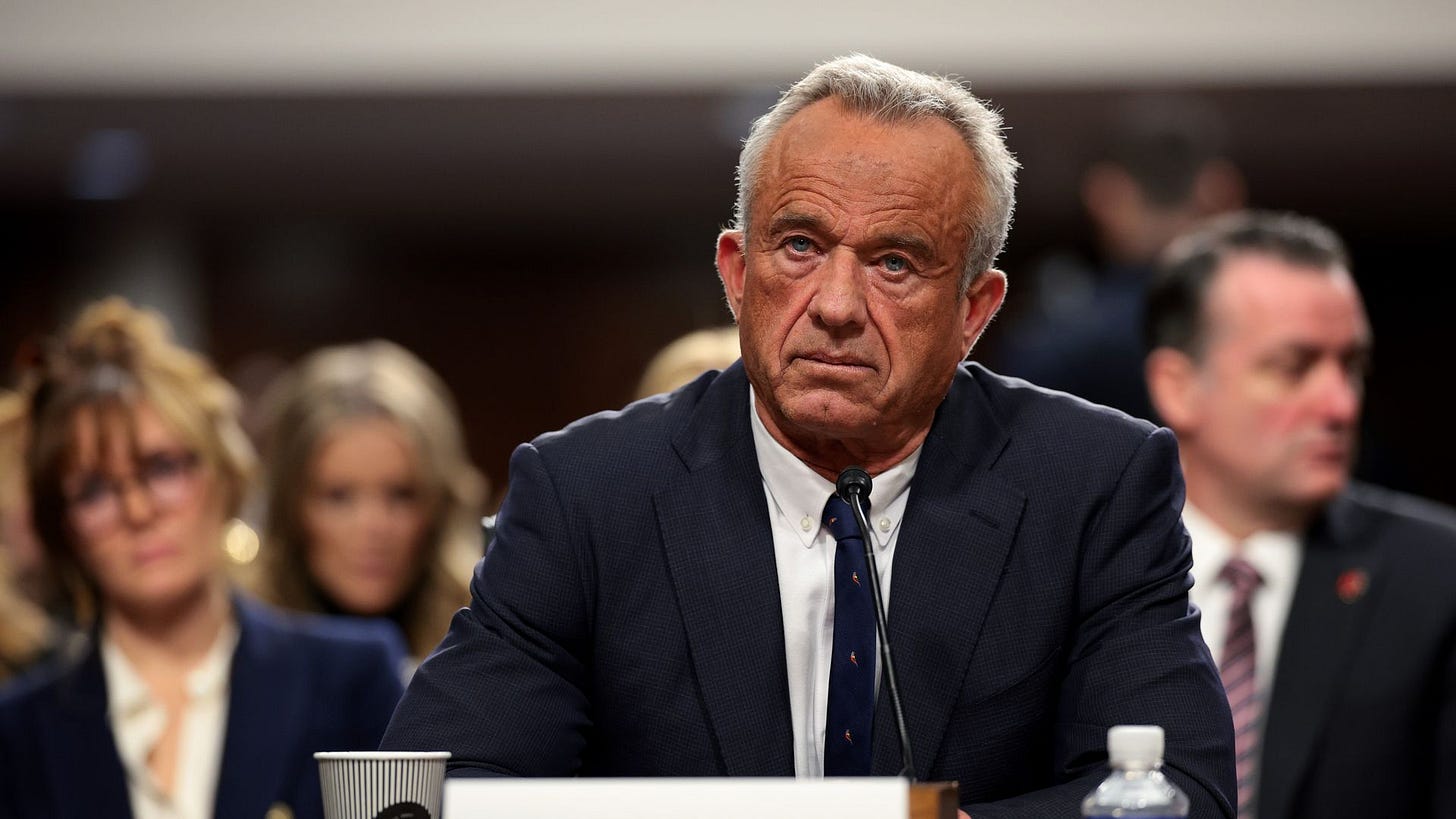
527,195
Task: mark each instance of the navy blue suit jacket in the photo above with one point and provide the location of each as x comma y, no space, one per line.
299,684
626,621
1362,720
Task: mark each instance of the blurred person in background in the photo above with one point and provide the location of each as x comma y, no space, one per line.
688,357
682,360
188,699
1162,169
372,506
1331,605
18,542
26,632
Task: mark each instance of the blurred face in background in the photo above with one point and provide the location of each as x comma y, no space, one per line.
145,513
20,549
1276,396
365,516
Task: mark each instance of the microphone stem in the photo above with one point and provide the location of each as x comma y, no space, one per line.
856,502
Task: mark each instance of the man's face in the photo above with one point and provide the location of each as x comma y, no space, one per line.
1277,393
845,286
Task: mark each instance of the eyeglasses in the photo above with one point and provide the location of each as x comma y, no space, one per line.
96,501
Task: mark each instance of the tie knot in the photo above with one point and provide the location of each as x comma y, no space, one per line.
839,519
1241,574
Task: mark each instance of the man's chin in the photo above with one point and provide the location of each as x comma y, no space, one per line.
829,414
1317,490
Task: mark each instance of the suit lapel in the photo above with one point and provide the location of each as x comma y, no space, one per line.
719,548
1319,640
264,707
82,743
957,534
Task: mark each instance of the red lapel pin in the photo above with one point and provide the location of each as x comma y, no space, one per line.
1351,585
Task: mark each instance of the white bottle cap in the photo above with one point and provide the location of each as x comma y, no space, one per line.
1135,746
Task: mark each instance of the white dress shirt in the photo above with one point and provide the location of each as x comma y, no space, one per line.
1277,557
138,720
804,554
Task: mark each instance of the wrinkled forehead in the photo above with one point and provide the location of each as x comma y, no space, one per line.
830,132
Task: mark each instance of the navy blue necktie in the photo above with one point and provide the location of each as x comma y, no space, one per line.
851,710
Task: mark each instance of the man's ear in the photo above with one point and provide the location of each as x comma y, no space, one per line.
982,300
1172,380
732,267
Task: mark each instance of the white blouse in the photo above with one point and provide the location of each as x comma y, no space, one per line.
138,721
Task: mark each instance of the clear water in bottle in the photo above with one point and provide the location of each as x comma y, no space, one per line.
1136,787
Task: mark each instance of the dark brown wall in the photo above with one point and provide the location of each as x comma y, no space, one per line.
537,249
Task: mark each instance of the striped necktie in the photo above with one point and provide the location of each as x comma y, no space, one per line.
1236,668
851,710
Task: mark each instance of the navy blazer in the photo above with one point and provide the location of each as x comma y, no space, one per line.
626,621
1362,719
298,684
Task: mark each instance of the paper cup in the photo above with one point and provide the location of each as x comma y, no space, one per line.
382,784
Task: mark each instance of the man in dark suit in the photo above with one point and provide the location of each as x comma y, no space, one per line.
670,591
1335,621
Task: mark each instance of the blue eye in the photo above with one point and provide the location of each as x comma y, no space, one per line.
896,264
800,244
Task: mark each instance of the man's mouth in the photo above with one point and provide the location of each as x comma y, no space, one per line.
833,360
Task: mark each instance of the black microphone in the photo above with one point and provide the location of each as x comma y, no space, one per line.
853,487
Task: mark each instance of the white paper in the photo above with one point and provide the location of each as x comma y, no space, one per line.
852,798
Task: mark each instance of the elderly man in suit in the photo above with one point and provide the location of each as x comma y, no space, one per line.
1331,606
672,590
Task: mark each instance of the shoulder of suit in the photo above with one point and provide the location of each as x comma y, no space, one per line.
655,418
44,680
43,686
322,633
1399,517
20,694
1036,413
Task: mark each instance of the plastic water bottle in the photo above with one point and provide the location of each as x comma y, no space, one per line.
1136,787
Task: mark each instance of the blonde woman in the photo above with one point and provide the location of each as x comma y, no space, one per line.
188,700
688,357
26,633
18,543
372,506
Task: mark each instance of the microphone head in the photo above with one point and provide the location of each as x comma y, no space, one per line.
853,480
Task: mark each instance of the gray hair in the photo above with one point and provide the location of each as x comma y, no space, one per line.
892,94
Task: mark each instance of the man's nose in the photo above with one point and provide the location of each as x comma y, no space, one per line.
839,296
1339,393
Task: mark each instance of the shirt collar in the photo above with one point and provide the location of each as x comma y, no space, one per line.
1275,554
128,695
800,492
211,677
